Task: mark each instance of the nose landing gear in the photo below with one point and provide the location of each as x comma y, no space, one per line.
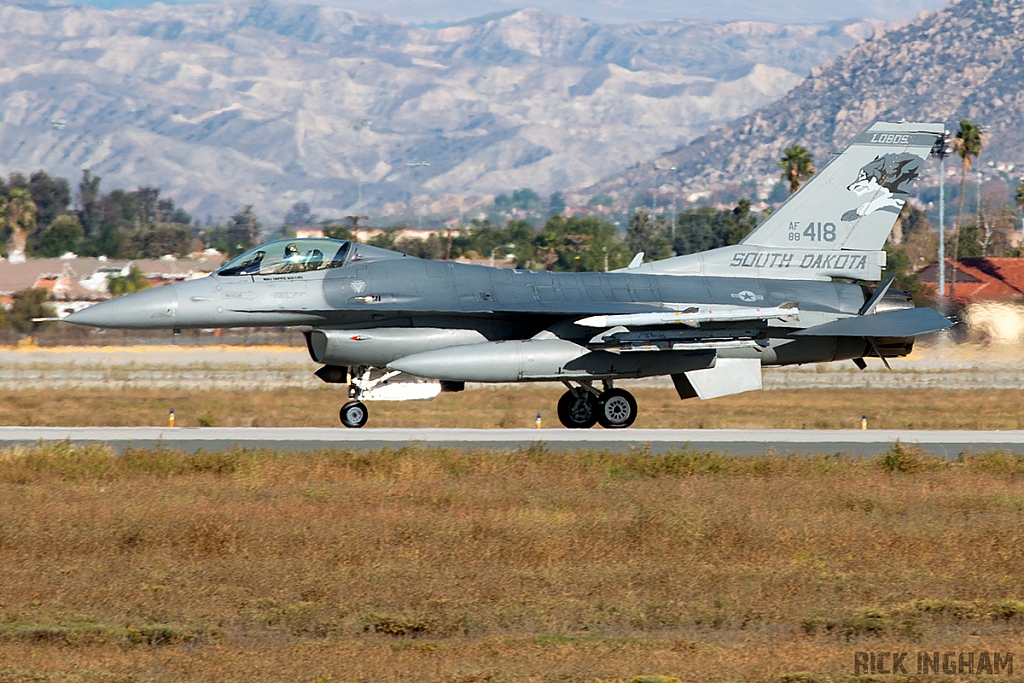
354,414
583,406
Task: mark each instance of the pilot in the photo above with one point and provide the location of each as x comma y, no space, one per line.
315,260
251,266
292,261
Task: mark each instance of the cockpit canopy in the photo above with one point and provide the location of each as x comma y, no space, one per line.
289,256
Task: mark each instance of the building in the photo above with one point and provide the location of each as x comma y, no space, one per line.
365,235
75,283
980,279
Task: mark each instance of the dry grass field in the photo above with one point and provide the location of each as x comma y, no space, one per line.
422,565
516,407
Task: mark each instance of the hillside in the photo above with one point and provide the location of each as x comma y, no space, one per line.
229,104
966,60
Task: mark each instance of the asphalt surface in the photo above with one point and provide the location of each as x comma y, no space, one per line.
262,368
948,444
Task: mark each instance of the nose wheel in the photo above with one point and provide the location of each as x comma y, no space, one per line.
354,414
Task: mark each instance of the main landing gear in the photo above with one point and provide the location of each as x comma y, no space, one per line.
584,406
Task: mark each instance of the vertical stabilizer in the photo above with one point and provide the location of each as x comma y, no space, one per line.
853,202
837,223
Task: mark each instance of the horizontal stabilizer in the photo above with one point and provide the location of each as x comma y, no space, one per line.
905,322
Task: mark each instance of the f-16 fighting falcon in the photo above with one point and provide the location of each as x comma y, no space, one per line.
395,327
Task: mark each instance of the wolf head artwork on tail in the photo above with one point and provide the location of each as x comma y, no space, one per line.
887,180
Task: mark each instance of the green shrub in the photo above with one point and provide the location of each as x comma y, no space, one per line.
400,626
1008,609
907,459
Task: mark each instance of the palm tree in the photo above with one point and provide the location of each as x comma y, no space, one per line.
19,212
798,165
967,145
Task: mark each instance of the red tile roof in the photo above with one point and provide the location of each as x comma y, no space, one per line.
65,276
981,279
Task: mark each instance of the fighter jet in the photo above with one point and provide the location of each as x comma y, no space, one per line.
796,290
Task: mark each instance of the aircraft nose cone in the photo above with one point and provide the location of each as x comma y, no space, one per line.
150,309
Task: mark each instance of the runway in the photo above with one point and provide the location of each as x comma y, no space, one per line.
947,444
263,368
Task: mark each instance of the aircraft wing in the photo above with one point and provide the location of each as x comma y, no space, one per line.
904,322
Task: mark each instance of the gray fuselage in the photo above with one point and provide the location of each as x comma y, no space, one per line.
376,288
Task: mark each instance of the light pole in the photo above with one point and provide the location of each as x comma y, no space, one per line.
981,225
977,203
654,194
657,176
675,216
416,166
941,150
673,228
503,246
578,246
358,128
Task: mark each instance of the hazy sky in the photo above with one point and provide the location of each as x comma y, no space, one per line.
616,11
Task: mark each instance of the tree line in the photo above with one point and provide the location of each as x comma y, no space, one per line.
39,220
577,243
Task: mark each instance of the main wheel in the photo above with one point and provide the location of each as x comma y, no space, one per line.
616,409
354,414
577,411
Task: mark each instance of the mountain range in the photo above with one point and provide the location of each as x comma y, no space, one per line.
603,11
223,105
964,61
